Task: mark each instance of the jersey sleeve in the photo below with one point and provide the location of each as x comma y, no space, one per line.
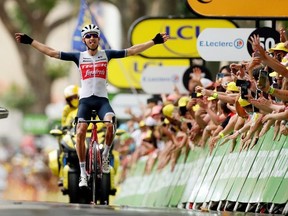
70,56
116,54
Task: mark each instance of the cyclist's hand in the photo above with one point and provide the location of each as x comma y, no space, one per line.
160,38
23,38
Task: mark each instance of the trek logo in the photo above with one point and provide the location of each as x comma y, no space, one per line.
97,70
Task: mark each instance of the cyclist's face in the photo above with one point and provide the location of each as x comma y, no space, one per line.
91,40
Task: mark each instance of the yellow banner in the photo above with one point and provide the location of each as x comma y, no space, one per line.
240,8
183,35
127,72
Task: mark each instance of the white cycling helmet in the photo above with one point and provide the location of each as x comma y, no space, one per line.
91,28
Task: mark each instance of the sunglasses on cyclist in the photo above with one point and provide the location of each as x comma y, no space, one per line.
91,35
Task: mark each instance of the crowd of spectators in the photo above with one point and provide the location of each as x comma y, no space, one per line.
244,101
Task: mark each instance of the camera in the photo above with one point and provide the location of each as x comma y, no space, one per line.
244,85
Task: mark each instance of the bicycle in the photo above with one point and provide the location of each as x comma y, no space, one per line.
98,182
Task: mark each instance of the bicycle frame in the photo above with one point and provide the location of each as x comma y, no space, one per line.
94,169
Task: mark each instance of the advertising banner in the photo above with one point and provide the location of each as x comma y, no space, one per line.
127,72
274,152
225,169
256,169
196,161
239,9
244,169
201,176
215,44
167,192
131,184
183,34
161,80
277,177
213,169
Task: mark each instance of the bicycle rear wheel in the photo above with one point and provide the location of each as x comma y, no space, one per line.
105,189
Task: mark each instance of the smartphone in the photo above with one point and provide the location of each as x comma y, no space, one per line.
263,76
219,76
189,125
193,95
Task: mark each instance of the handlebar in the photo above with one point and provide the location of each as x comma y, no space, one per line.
95,121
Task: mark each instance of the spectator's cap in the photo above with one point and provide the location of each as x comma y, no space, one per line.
231,86
125,136
166,121
243,102
211,98
279,47
119,132
168,110
196,107
150,121
183,101
172,97
142,123
273,74
156,110
148,135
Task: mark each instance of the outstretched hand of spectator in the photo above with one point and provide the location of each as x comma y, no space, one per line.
196,74
257,48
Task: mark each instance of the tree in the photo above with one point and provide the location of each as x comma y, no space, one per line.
30,16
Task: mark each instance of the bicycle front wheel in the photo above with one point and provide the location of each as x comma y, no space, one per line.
95,173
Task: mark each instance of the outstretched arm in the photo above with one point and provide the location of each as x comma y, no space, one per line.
138,48
23,38
271,62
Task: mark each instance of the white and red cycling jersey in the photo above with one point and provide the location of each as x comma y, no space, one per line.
93,70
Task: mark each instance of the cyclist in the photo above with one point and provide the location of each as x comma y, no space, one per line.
92,65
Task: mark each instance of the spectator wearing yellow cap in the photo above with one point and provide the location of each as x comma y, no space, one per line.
266,58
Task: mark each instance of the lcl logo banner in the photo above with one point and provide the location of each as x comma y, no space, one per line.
183,35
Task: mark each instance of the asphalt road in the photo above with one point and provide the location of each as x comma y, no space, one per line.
19,208
25,208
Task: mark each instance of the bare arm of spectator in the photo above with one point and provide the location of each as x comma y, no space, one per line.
270,61
266,105
254,63
132,115
218,134
202,118
227,98
276,116
215,117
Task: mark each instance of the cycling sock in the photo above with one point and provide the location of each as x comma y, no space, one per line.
106,151
83,169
